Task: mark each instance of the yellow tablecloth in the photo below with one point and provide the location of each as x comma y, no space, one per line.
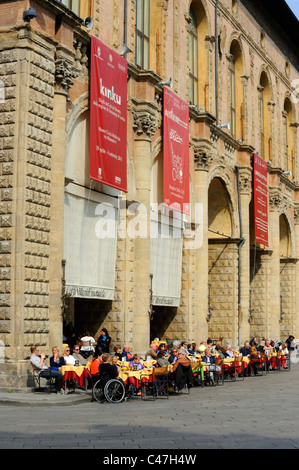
137,374
78,369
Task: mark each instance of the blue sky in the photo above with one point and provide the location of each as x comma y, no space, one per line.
294,5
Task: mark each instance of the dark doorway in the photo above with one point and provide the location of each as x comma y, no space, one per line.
161,319
90,315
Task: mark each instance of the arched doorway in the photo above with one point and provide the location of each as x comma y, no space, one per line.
223,265
287,278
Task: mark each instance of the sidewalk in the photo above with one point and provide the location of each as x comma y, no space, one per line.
28,398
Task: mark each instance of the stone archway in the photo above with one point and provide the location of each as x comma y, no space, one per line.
223,265
287,278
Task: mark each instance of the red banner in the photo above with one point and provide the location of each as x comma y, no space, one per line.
260,190
176,152
108,116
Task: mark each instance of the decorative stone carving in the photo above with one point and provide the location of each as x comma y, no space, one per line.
245,178
145,125
275,199
63,75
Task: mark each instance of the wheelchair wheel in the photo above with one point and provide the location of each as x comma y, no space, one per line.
98,392
114,391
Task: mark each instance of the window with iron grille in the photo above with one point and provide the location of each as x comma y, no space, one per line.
142,33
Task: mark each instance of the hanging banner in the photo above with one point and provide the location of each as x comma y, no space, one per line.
108,116
260,193
176,152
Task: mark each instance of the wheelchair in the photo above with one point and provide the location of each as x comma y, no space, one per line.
106,389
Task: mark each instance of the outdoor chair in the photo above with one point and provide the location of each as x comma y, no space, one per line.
42,384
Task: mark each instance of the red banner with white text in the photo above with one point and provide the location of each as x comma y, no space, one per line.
176,152
108,116
260,190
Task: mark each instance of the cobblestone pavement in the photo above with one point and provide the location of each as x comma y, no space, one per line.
257,413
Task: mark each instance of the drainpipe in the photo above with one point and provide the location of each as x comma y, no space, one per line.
239,256
125,22
216,61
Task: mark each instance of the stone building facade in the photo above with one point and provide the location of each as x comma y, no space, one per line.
233,61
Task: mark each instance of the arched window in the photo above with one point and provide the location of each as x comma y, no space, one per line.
193,60
235,71
232,84
289,138
265,116
142,33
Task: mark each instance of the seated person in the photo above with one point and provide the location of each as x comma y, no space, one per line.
115,363
161,361
229,351
97,360
152,353
68,358
162,347
246,349
267,348
127,353
246,352
173,356
108,368
78,357
183,348
87,348
182,375
56,361
135,363
117,352
191,349
211,364
44,371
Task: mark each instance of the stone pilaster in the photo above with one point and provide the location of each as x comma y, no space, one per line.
245,197
144,126
274,301
63,81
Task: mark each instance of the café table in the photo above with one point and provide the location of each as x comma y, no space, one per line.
77,375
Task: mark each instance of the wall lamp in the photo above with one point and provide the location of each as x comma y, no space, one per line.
286,173
29,14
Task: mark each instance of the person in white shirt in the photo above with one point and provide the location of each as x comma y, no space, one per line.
68,358
229,351
87,348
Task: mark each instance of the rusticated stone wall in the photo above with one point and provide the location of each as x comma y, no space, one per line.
26,146
223,268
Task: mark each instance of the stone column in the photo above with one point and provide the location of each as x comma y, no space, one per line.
296,274
203,161
144,126
274,304
245,196
63,82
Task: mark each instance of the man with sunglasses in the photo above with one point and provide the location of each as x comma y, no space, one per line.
173,356
78,357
